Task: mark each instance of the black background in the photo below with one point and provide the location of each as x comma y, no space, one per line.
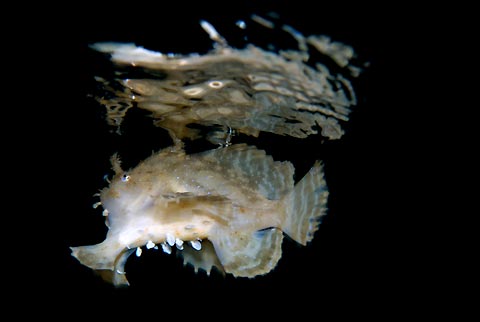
353,264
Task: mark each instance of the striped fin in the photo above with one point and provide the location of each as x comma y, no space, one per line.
272,179
247,254
306,205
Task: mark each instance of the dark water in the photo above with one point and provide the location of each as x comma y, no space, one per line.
348,262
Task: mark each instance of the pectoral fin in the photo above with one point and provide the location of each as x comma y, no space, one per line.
247,254
107,258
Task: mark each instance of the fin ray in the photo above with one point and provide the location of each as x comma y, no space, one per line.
203,259
247,254
273,179
306,205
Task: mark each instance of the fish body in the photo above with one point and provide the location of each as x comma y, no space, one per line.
227,208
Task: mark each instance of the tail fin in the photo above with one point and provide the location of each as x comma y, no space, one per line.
306,205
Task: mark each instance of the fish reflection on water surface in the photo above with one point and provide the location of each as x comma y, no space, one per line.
249,90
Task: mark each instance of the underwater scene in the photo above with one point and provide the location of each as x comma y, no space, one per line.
223,153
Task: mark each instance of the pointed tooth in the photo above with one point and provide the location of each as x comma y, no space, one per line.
138,252
150,244
105,212
95,205
170,239
196,244
166,248
179,243
155,247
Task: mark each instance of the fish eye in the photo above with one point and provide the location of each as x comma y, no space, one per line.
125,178
215,84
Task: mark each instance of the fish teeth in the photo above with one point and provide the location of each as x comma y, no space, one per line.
170,239
150,244
196,244
138,252
179,243
166,248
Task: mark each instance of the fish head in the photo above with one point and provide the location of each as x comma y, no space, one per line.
155,205
126,199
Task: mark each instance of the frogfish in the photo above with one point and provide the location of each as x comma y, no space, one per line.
227,208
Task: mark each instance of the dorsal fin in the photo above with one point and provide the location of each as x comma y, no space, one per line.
273,179
249,254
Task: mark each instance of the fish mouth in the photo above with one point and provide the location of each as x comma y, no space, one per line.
108,258
170,242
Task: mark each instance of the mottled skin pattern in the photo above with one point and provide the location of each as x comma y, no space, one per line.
237,199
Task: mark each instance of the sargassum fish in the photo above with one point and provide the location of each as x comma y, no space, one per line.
227,208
